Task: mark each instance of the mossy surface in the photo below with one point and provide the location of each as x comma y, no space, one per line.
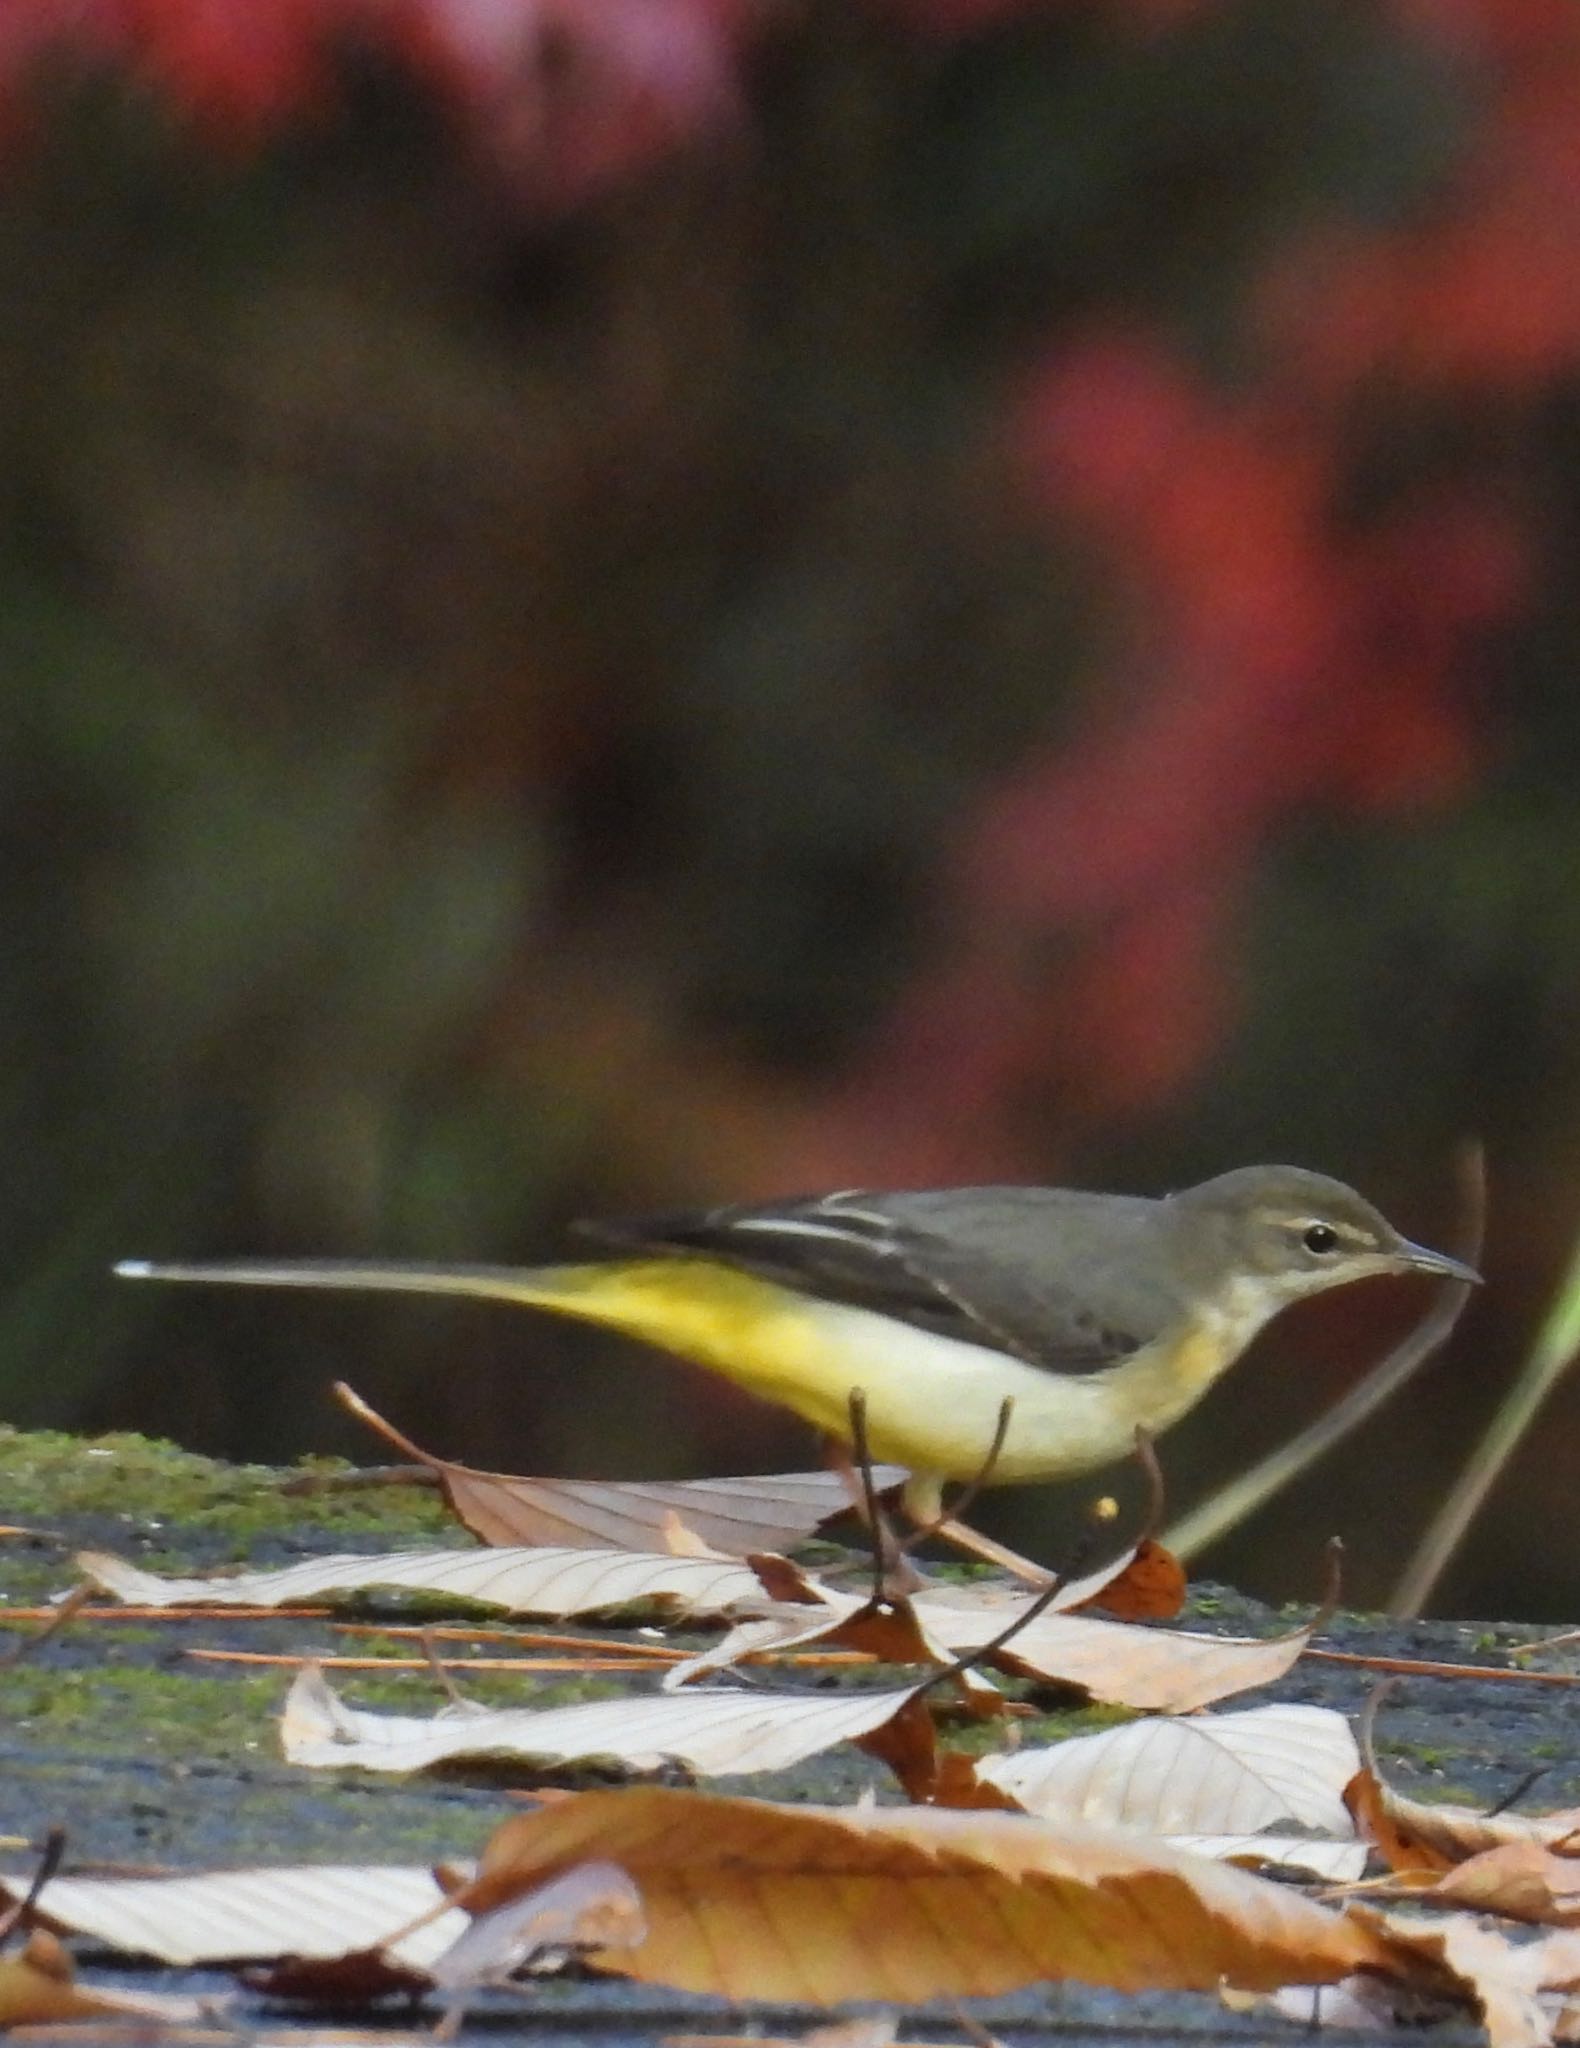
149,1754
155,1486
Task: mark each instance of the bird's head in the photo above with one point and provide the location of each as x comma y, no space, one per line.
1285,1232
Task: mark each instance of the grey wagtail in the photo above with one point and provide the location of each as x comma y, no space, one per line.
1094,1314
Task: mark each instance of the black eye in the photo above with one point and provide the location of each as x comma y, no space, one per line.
1320,1237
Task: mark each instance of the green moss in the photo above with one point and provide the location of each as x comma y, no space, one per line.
417,1692
45,1473
181,1716
1060,1727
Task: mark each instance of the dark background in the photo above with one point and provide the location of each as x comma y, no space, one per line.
611,603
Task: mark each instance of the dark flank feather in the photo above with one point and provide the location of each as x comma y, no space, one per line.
1018,1269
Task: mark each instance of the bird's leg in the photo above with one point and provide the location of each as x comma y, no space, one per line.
922,1500
924,1503
975,1544
924,1497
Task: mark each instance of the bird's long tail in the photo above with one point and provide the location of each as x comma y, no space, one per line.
750,1330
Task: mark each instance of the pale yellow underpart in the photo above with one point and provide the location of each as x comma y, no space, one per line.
932,1402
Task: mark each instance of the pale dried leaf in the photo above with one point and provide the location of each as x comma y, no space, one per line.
751,1899
817,1613
732,1517
710,1733
1214,1774
233,1916
1501,1978
1157,1670
593,1905
1361,2005
789,1628
1414,1834
1333,1862
39,1988
551,1583
1558,1961
1520,1880
877,2031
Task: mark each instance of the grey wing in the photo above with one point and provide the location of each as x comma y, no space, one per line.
947,1263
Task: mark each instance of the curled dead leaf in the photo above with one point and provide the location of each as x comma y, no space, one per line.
229,1916
748,1898
554,1583
1416,1835
1520,1880
39,1988
1150,1586
732,1517
1210,1774
710,1733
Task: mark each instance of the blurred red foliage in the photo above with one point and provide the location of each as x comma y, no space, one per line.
1280,658
559,96
1285,662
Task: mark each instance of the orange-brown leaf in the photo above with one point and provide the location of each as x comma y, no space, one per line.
747,1898
39,1988
1412,1834
1521,1880
1151,1586
732,1517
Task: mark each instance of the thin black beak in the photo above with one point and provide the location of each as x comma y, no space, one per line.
1419,1258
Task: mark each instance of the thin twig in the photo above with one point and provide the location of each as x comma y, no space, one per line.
1519,1789
1080,1551
49,1861
1073,1566
354,1405
441,1676
893,1574
1412,1667
293,1660
1570,1635
73,1604
1247,1491
171,1612
286,1660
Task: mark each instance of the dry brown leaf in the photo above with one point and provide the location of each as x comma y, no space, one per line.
1214,1774
1521,1880
555,1583
360,1978
1412,1834
908,1743
732,1516
39,1988
799,1610
709,1732
1501,1978
1170,1671
1361,2005
590,1906
1151,1586
227,1916
1306,1855
751,1899
1157,1670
